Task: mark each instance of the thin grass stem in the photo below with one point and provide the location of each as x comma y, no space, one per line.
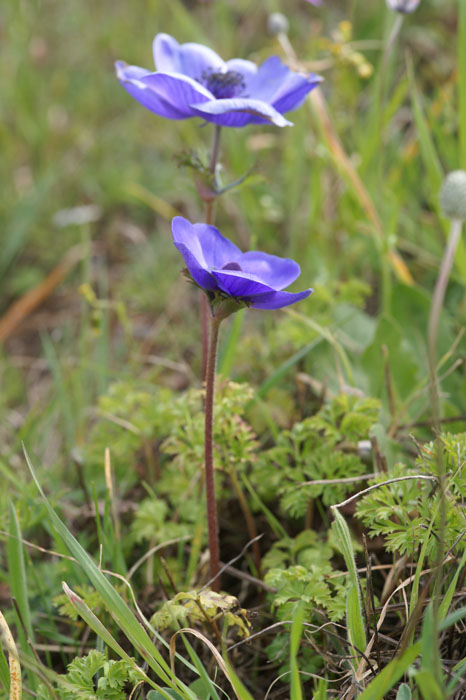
436,308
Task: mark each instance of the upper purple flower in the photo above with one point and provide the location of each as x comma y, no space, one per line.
252,279
192,81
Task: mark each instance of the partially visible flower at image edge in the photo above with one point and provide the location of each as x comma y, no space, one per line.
403,6
221,269
193,81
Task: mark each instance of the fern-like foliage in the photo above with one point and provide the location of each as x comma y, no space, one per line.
324,446
89,595
301,571
234,441
94,677
313,588
408,513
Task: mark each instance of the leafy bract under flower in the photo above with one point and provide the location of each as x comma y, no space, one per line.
220,268
193,81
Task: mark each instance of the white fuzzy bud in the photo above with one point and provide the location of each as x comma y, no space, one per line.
453,195
277,23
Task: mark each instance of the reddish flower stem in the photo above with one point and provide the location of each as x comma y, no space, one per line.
205,313
212,523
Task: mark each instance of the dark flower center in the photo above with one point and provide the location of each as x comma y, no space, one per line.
231,266
223,85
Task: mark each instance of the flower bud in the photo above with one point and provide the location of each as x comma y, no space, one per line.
277,23
453,195
403,6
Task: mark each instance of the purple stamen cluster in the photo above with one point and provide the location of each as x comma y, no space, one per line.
223,85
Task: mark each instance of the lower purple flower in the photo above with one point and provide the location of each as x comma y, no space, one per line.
220,268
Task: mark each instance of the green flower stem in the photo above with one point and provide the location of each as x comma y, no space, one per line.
212,523
209,219
215,150
437,303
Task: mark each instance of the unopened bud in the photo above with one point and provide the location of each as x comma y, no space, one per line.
277,23
453,195
403,6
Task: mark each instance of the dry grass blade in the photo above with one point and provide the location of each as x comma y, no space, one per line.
383,483
24,306
216,654
362,666
13,660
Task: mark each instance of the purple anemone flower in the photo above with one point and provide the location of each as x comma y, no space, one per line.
193,81
220,268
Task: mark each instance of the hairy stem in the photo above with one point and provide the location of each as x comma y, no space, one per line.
212,523
205,313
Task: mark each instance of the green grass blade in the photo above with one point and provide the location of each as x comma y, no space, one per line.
321,690
344,542
23,219
228,351
429,686
452,618
95,624
429,644
4,671
17,576
354,612
458,672
429,155
241,691
204,676
326,334
296,692
354,621
113,601
66,411
446,602
274,523
19,588
276,377
420,565
391,674
101,631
